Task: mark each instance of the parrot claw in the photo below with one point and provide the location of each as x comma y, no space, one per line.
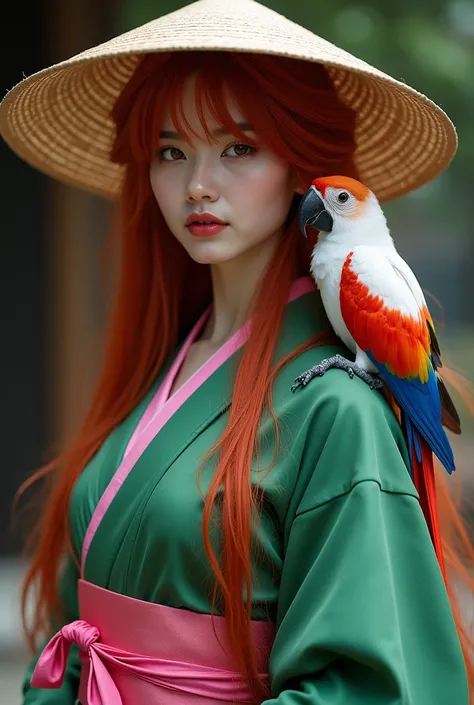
341,363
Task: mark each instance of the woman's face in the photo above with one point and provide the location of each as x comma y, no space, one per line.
248,188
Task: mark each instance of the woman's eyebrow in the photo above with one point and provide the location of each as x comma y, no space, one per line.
220,132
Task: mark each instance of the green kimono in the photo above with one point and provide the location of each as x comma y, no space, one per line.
347,571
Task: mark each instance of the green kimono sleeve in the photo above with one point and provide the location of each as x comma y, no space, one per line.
363,614
67,693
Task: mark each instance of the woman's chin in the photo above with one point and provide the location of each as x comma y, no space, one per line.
211,253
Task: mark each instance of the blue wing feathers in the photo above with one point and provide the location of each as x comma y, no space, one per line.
421,405
412,438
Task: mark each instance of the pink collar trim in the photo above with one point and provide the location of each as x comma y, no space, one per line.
162,406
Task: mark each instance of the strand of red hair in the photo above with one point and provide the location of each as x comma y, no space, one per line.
279,97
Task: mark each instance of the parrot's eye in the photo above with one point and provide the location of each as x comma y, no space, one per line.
343,197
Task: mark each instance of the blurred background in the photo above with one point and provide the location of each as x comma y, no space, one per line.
51,295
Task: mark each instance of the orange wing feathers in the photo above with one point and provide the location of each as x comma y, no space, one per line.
397,340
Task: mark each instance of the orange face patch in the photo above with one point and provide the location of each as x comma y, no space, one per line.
357,189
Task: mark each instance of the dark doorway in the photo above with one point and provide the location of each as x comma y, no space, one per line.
23,278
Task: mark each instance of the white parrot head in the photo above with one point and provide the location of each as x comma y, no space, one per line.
343,211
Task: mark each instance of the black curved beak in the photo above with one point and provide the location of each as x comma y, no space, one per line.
312,211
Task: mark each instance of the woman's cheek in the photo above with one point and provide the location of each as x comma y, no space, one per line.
164,190
272,191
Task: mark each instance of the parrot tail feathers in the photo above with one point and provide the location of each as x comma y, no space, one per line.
424,481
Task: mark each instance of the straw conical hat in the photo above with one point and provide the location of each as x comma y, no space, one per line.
58,119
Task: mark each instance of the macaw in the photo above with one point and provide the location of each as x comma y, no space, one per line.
376,306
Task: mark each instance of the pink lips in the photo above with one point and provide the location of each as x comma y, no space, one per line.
205,224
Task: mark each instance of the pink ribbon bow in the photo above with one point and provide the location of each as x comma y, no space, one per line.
101,689
51,665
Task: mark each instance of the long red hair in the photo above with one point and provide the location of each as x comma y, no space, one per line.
296,113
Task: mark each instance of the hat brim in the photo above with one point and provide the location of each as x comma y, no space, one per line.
59,119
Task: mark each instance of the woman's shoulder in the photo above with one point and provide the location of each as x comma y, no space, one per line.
332,393
341,431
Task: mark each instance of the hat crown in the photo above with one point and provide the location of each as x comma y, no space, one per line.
196,26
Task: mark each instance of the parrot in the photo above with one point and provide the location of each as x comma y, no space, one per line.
376,306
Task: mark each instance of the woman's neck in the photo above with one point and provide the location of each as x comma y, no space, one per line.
234,286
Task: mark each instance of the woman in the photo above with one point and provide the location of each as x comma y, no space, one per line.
226,539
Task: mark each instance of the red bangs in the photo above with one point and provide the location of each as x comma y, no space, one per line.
309,128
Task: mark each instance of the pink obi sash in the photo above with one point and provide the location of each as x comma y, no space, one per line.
141,653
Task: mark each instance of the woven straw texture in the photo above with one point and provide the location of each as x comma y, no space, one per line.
58,119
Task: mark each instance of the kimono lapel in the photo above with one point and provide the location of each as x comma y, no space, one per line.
190,411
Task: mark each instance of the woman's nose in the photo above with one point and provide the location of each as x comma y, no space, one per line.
202,183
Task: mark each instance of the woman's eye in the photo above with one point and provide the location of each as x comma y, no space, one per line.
240,149
174,152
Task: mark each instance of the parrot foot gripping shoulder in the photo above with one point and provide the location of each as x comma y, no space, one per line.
341,363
